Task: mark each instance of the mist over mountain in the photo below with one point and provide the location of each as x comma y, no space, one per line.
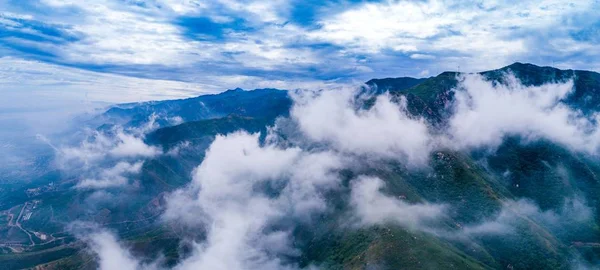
492,170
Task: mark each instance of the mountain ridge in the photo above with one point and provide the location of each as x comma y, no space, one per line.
475,185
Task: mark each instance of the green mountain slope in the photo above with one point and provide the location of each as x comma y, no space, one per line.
475,185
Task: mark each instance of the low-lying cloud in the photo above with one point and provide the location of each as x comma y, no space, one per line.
112,255
574,211
106,158
485,113
104,245
240,191
374,207
98,146
247,195
112,177
385,129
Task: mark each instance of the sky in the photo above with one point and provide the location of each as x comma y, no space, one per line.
134,50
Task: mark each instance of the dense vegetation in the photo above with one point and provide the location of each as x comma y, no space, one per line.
474,183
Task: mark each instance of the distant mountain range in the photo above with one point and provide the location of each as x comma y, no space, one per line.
259,103
427,96
475,183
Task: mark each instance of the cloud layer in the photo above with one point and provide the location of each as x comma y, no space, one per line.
240,190
207,42
385,129
374,207
485,113
247,196
112,255
106,159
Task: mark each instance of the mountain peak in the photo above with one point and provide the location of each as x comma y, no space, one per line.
527,66
393,84
519,64
237,89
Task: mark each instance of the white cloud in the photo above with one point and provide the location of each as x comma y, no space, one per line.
374,207
181,7
227,197
92,149
244,189
227,205
421,56
502,224
383,130
106,247
176,150
22,80
116,34
474,34
111,32
259,10
252,82
424,73
573,212
131,146
374,26
106,159
311,177
35,90
271,53
112,177
112,255
175,120
98,146
255,11
486,113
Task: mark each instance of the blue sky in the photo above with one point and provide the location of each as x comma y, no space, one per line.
175,48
